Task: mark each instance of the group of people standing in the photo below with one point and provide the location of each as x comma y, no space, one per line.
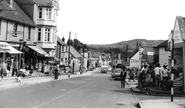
157,76
13,66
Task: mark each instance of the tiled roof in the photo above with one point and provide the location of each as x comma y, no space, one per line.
163,44
27,6
60,41
75,53
95,55
15,14
133,53
48,2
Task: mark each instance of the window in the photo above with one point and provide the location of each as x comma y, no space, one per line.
40,12
48,13
62,48
29,33
39,34
47,34
66,48
0,26
15,30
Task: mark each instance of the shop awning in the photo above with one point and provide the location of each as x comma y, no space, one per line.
5,47
38,49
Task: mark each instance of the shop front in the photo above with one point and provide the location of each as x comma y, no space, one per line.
8,54
178,35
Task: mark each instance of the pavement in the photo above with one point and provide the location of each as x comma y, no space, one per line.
162,103
36,78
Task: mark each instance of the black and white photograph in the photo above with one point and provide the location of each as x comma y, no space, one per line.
92,54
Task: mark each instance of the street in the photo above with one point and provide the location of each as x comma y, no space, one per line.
95,91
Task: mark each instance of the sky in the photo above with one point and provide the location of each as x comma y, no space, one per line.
112,21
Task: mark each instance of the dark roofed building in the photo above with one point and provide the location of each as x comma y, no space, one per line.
13,12
48,2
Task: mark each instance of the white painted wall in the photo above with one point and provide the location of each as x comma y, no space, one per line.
134,61
163,56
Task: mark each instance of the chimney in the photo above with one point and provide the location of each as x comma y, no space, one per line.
11,3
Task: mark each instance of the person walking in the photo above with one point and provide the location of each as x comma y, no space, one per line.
131,74
15,67
149,73
165,76
2,70
123,77
56,71
157,71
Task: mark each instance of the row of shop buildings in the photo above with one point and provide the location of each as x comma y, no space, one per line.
28,33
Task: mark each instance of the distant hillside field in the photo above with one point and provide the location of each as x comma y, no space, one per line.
122,45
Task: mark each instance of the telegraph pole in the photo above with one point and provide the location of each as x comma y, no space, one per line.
172,69
69,43
126,53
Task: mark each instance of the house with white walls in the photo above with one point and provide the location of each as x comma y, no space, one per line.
134,59
161,53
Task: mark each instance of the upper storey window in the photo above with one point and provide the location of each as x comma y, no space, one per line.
48,13
47,34
40,12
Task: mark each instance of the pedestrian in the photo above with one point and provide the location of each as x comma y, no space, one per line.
143,76
131,74
149,73
56,71
2,70
165,76
123,77
157,71
15,67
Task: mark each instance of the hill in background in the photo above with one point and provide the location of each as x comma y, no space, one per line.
122,45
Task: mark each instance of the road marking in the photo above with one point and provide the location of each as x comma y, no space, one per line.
71,91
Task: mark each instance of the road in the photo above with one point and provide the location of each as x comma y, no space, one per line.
95,91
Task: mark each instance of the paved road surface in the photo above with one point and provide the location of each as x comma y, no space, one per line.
95,91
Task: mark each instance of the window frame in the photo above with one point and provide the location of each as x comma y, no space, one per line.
47,34
40,13
39,34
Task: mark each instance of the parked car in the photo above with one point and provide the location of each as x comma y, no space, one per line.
104,69
109,69
117,73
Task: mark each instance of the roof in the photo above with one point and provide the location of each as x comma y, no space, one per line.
27,6
162,44
75,53
95,55
48,3
133,53
15,14
60,41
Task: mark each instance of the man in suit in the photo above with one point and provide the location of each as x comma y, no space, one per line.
123,77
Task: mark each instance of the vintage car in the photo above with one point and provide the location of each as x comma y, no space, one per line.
104,69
